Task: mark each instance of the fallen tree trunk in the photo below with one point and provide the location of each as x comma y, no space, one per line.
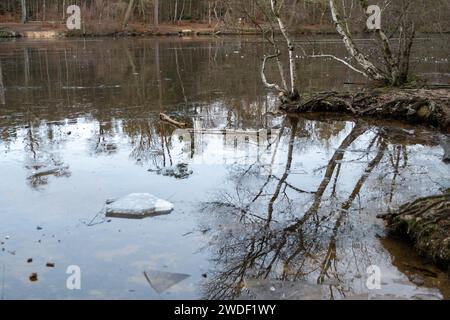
164,117
422,106
426,221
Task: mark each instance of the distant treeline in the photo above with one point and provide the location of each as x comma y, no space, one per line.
433,14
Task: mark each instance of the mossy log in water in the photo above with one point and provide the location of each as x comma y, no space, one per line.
426,221
423,106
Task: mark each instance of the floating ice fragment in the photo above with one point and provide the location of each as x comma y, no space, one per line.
137,206
161,281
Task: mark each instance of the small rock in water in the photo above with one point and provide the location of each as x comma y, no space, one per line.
137,206
50,265
34,277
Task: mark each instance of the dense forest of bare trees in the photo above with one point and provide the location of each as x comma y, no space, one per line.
296,13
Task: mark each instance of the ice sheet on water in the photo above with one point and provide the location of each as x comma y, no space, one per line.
137,206
161,281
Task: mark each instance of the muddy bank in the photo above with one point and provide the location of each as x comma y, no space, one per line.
418,106
425,221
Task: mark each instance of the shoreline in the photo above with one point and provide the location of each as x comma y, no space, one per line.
48,30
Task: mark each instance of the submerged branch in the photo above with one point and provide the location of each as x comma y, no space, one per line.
263,73
339,60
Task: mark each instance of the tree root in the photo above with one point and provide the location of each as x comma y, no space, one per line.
421,106
426,221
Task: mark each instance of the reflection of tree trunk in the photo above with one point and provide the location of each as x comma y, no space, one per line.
49,83
269,176
26,65
33,144
179,76
133,70
338,156
395,161
286,171
331,252
2,87
130,60
67,76
158,75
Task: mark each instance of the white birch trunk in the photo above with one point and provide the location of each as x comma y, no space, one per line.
289,42
369,68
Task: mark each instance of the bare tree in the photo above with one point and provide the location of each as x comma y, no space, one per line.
271,9
23,4
128,13
156,21
395,68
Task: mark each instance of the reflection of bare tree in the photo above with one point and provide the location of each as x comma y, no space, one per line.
287,249
102,142
41,172
42,163
398,154
331,255
145,141
151,141
2,87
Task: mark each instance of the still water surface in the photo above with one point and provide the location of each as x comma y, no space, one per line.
291,202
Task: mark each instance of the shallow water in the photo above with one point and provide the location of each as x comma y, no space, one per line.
289,202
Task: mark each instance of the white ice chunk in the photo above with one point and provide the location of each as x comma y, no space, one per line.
137,206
